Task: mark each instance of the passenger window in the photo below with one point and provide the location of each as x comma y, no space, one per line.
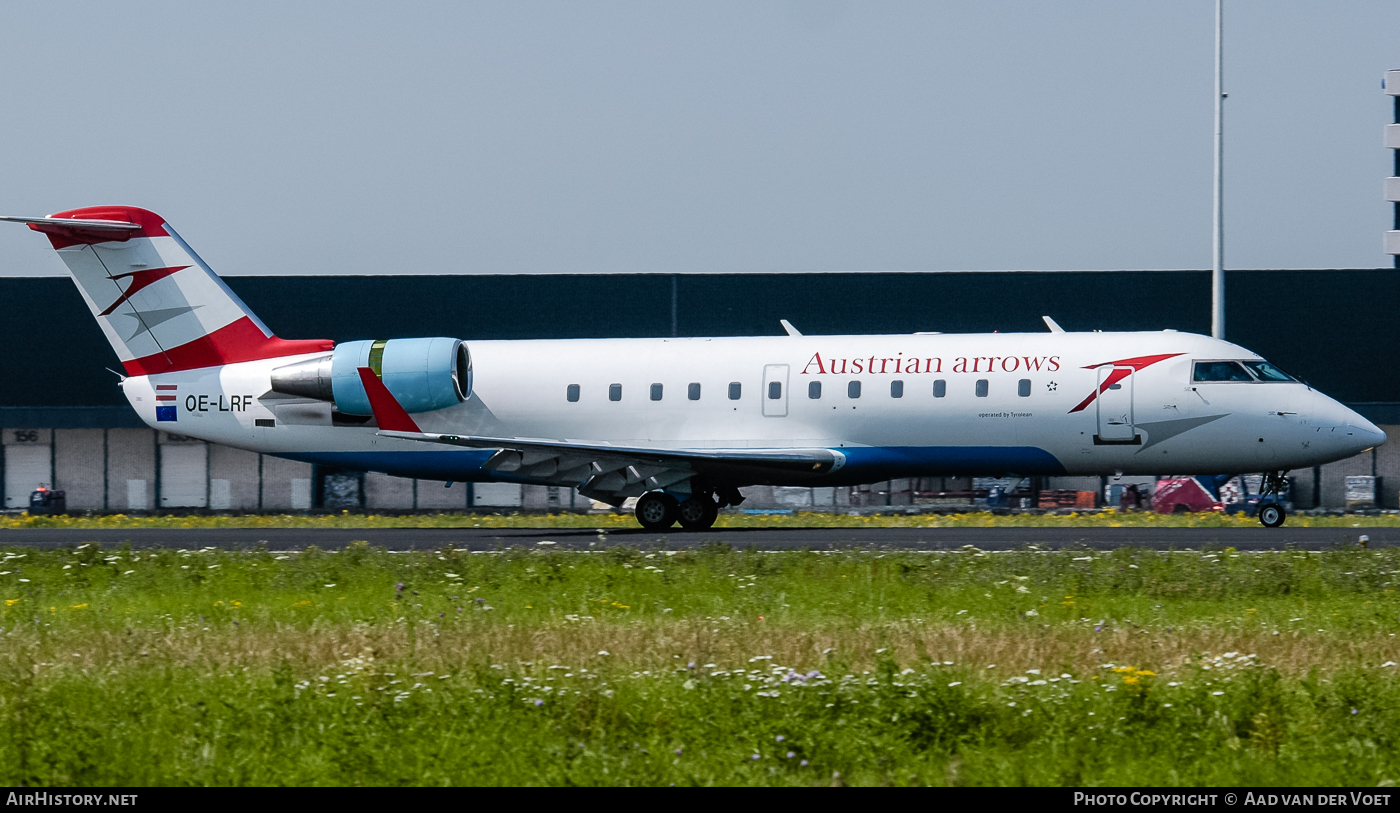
1219,371
896,389
614,392
940,388
735,388
775,390
814,390
1023,388
572,393
656,392
853,389
693,393
1264,371
981,388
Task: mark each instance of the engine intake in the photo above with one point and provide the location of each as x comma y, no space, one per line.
423,374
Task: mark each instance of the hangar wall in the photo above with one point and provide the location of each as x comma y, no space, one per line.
120,470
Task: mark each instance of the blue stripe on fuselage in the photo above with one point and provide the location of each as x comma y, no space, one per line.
867,464
438,464
864,464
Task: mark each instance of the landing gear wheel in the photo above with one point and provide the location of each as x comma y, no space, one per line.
698,513
1272,515
656,511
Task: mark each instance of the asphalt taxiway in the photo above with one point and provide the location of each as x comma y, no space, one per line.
488,539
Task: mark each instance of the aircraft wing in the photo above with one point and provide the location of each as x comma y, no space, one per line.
604,471
612,473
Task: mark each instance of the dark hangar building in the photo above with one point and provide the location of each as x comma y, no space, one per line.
65,422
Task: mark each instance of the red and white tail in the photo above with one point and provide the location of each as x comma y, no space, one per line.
160,306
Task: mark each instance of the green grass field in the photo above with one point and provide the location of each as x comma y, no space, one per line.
714,666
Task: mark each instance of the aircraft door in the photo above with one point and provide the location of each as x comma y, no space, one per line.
775,391
1116,405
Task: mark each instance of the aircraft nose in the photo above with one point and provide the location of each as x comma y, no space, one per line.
1365,434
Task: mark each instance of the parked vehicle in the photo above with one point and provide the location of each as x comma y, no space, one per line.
1180,495
44,500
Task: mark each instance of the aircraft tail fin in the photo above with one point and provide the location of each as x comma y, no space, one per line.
160,306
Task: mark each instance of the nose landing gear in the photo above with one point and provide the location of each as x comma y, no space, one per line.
1270,511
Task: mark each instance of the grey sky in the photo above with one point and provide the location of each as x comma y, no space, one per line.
811,135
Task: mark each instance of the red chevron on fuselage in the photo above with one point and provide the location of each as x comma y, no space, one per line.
1117,375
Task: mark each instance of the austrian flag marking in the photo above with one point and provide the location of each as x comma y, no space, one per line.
165,411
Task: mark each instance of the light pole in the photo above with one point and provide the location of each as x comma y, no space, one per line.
1218,232
1217,271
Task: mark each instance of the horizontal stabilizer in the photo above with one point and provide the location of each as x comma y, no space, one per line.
70,223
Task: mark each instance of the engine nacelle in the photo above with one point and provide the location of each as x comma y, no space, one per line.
423,374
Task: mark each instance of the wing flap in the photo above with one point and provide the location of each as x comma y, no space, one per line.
613,473
814,461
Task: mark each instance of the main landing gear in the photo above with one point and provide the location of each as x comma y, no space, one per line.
1270,511
657,511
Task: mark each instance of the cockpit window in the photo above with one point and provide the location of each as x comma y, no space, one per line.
1264,371
1219,371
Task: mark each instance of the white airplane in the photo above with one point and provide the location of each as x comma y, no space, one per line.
681,424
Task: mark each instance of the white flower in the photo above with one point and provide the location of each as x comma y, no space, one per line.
955,683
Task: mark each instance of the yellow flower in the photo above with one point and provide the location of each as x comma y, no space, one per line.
10,602
1130,679
78,606
1146,673
236,603
302,603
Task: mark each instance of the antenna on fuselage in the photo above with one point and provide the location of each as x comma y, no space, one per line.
1053,325
791,331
